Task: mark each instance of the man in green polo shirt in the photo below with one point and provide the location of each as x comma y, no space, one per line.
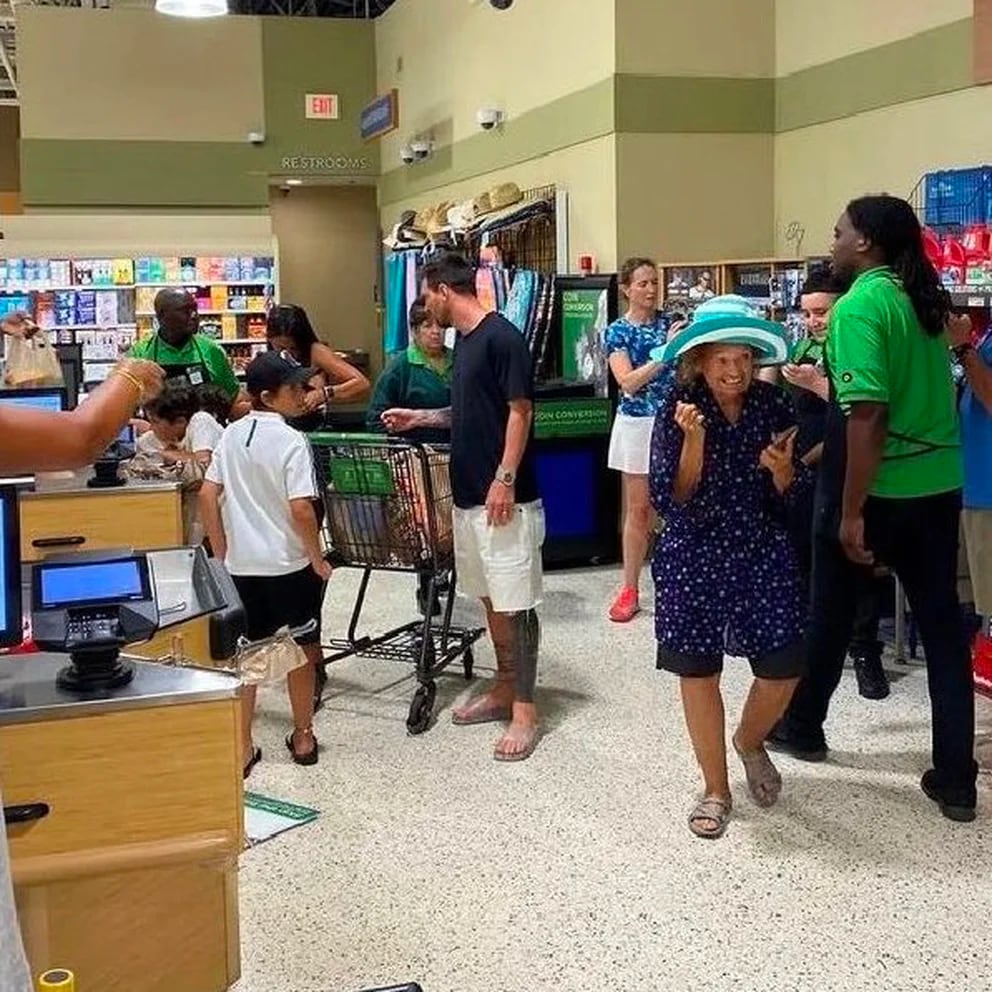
179,348
896,499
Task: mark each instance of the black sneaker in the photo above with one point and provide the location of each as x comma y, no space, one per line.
956,804
873,683
782,740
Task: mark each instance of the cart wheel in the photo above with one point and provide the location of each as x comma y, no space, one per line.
468,664
421,709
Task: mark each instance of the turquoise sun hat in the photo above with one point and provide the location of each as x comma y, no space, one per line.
728,320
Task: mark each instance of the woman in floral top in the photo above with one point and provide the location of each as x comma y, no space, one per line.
643,382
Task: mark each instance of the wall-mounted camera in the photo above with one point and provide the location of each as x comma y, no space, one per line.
406,154
256,137
421,148
488,118
501,4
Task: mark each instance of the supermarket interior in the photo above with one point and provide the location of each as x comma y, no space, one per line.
363,356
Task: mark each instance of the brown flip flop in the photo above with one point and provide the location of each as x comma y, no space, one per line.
482,709
528,736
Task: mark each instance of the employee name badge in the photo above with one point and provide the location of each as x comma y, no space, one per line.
195,375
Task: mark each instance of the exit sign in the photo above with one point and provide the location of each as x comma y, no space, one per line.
322,106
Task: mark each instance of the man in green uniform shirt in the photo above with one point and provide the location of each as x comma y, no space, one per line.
179,348
897,498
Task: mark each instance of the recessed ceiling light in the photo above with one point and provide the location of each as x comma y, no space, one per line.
294,182
191,8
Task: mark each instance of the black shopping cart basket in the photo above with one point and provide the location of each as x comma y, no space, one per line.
388,508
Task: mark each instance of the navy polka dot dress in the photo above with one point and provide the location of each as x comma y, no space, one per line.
726,578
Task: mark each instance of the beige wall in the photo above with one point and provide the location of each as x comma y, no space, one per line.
702,38
329,261
144,76
809,32
464,55
587,171
125,233
689,197
818,169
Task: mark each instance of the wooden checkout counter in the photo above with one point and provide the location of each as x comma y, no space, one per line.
126,874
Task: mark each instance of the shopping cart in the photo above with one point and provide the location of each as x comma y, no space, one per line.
388,508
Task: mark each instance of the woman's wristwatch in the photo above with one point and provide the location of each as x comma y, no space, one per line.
329,394
505,477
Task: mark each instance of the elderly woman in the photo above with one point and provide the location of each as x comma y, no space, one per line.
726,578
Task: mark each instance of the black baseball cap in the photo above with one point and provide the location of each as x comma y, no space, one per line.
269,371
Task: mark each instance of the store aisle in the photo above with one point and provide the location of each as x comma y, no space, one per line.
575,870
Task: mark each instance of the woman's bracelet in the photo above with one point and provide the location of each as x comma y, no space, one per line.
329,394
131,378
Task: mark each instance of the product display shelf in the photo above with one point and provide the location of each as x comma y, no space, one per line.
106,304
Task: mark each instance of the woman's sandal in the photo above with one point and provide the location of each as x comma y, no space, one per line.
309,757
713,809
763,778
256,757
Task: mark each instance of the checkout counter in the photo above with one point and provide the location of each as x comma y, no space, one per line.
121,778
61,512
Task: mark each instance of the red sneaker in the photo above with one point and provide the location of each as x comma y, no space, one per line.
625,607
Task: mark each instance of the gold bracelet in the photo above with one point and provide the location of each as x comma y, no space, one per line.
131,378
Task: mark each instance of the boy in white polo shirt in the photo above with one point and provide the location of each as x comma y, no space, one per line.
257,505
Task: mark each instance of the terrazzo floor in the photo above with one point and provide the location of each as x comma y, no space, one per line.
575,870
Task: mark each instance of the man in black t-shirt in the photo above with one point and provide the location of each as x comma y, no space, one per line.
498,517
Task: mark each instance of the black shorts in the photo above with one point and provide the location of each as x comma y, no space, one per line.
275,601
787,662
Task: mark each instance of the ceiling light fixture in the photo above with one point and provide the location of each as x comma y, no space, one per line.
191,8
294,182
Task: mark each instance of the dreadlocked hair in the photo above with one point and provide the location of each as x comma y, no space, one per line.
891,225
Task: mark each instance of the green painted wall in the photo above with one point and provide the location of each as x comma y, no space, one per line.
142,174
926,64
299,56
303,55
572,120
694,105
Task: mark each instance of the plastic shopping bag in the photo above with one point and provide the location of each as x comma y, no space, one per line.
32,361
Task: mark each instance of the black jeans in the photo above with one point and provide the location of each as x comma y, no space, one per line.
918,540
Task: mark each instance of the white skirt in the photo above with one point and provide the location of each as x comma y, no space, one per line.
630,444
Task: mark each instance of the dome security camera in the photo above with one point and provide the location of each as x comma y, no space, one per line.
488,117
406,153
420,148
501,4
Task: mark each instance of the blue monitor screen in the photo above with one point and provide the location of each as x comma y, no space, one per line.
69,585
567,482
39,400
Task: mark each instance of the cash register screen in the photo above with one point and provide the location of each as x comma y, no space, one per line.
50,398
11,618
89,583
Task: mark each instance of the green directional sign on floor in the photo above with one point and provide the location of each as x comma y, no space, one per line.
589,417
